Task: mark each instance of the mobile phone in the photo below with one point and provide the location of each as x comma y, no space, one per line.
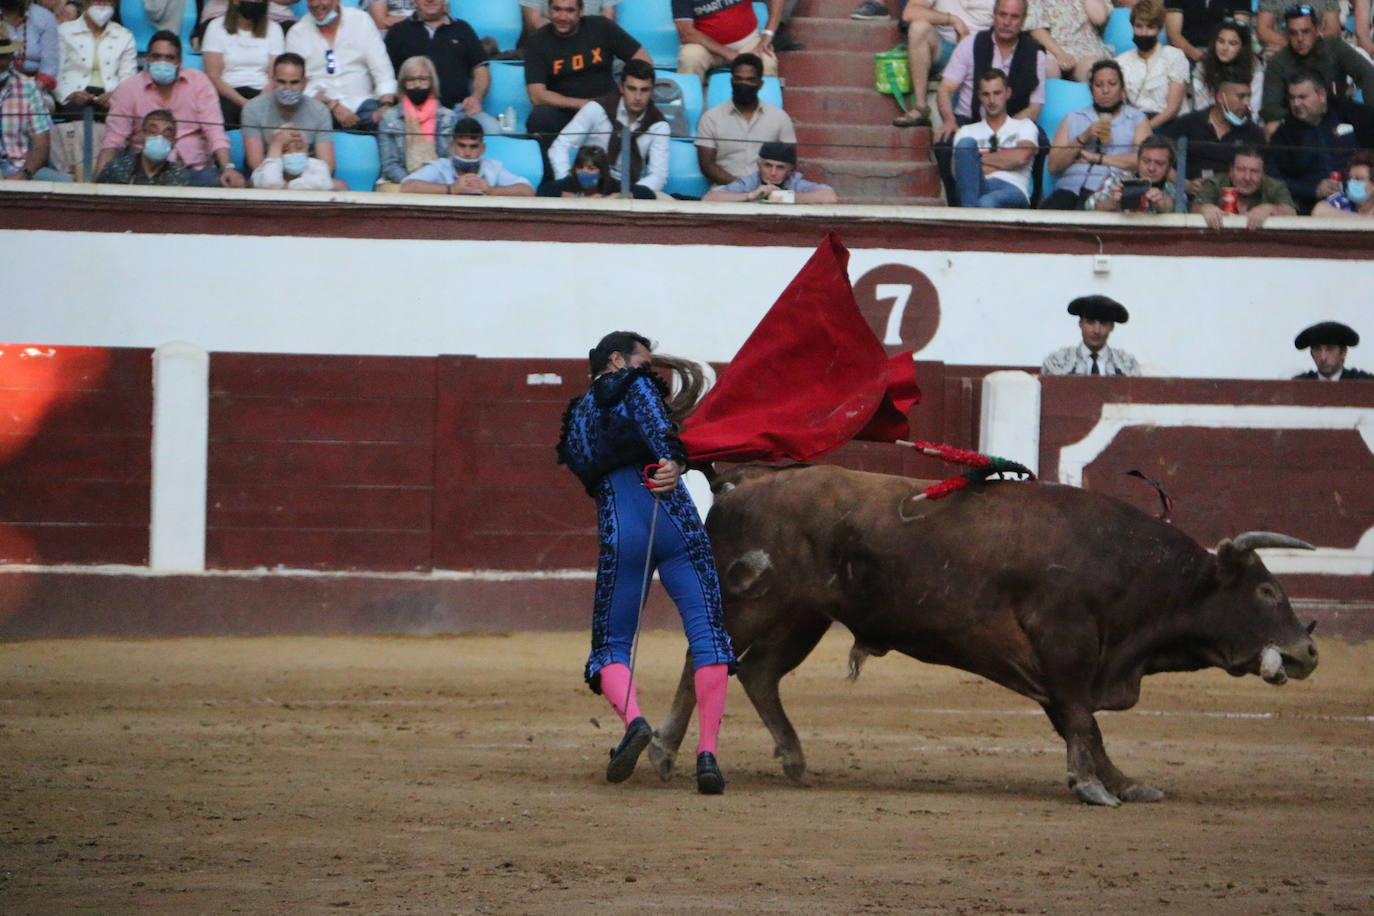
1132,190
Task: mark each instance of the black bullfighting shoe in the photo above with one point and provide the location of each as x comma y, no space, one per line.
638,734
709,780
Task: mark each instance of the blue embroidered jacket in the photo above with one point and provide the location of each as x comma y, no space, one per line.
620,421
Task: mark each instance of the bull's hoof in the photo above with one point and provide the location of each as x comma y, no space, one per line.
793,764
662,760
1141,793
1094,793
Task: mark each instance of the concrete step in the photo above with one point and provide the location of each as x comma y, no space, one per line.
821,34
879,143
888,182
827,68
837,9
840,105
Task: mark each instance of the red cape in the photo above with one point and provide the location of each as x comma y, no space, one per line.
810,378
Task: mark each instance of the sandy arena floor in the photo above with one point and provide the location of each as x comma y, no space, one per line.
465,775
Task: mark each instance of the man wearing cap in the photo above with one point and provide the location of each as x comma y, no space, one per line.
1329,342
776,181
1098,316
25,125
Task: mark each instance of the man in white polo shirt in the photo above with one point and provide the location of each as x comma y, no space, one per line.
992,157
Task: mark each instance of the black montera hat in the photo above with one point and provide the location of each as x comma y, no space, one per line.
1099,308
1327,332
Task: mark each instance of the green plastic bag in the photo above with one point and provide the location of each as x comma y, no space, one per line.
892,75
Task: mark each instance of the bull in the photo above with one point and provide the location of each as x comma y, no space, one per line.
1063,595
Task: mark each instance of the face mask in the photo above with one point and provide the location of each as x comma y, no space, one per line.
744,95
1235,120
252,11
157,148
294,163
1113,109
417,96
290,98
333,14
1146,42
588,180
100,15
1357,191
463,166
163,72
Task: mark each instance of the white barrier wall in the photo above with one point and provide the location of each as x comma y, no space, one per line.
1191,316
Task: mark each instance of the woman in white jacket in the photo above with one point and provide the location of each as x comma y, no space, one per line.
94,56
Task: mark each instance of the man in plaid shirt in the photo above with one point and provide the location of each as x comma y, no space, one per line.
24,122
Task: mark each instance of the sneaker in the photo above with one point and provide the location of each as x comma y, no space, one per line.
871,9
638,734
709,780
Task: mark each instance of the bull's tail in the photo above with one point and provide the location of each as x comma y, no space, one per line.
857,656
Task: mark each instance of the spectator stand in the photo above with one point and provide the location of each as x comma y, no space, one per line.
357,161
684,173
236,154
690,103
1061,97
508,92
519,155
499,20
651,23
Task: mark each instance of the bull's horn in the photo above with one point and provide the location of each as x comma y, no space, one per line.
1252,539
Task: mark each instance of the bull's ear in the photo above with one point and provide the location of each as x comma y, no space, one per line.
1231,562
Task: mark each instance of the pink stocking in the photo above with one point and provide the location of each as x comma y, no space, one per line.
711,682
617,688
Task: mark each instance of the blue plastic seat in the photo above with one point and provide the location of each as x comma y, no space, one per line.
236,154
684,173
1119,34
189,12
497,18
192,61
761,13
508,91
357,161
651,23
718,90
692,102
1061,97
135,19
519,156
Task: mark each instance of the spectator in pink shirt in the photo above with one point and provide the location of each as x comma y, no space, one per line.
201,144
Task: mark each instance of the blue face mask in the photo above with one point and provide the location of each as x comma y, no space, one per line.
1236,120
588,180
1357,191
157,148
294,163
333,14
163,72
464,166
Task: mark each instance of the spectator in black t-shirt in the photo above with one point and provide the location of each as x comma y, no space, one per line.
1190,24
567,63
1214,132
455,49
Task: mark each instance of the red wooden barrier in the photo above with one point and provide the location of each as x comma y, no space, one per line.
75,454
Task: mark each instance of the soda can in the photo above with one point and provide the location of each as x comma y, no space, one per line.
1229,200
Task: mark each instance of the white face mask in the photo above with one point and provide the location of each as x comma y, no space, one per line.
100,15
